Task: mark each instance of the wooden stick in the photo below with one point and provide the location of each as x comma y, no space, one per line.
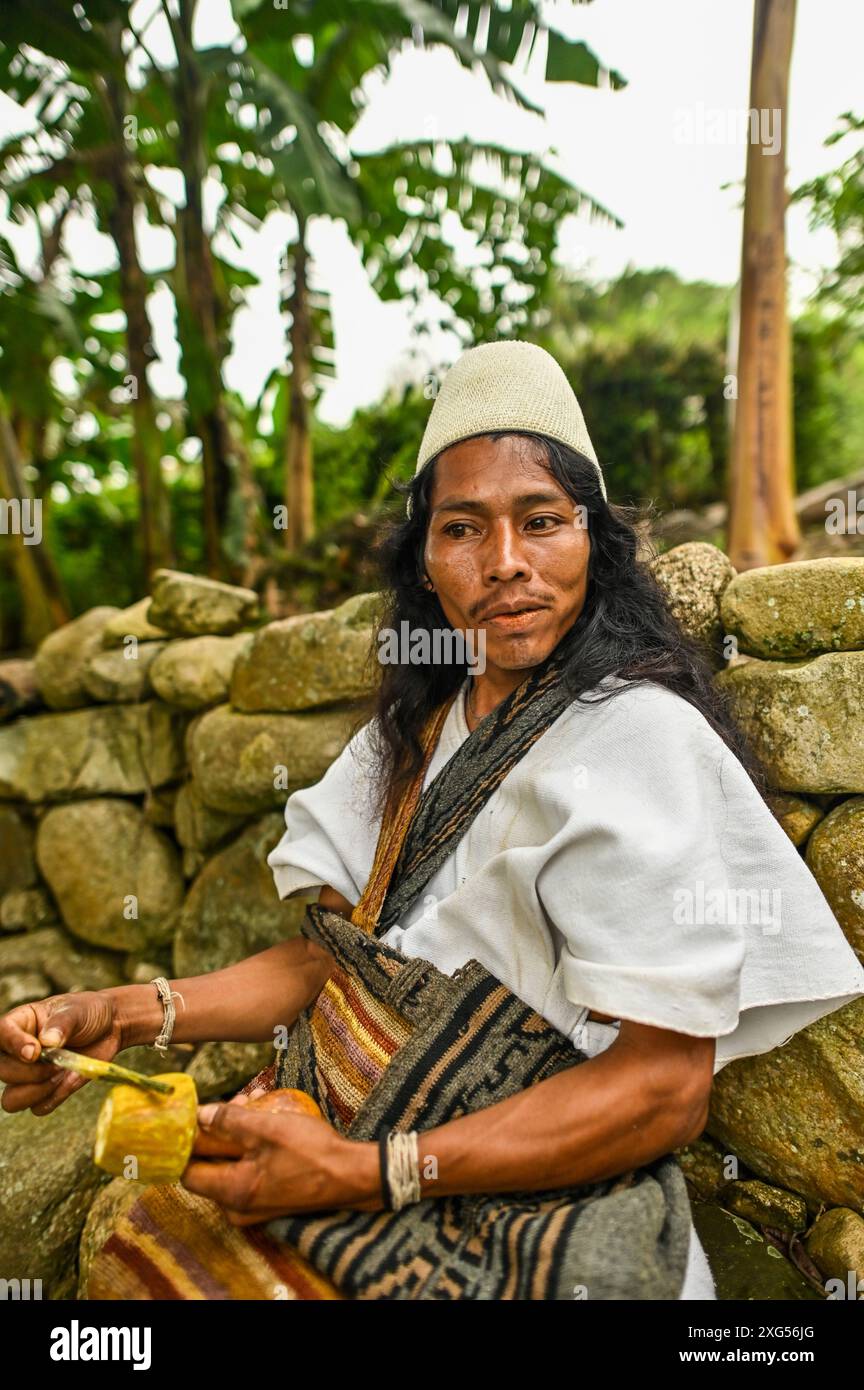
96,1070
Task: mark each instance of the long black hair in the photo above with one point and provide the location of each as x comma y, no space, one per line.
625,627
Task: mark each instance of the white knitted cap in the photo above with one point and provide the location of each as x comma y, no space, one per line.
506,385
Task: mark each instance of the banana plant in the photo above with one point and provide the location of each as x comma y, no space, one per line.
302,70
65,64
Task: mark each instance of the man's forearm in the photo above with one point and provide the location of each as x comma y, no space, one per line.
245,1002
591,1122
620,1110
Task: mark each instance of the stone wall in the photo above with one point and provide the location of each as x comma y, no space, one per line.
139,800
138,807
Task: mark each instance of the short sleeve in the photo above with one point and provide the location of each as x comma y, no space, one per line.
679,900
330,835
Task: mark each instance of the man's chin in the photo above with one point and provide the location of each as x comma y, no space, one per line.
519,652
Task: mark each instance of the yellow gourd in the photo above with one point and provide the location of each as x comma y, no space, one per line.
149,1137
146,1136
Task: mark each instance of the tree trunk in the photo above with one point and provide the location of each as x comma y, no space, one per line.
22,441
43,601
299,485
154,512
253,540
763,528
198,310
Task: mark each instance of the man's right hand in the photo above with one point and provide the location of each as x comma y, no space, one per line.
86,1022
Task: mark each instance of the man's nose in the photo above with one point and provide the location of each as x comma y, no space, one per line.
504,553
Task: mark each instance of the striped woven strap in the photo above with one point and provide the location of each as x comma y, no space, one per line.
394,827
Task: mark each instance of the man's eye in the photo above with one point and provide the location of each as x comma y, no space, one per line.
464,526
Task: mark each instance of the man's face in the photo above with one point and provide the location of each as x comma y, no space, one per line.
503,532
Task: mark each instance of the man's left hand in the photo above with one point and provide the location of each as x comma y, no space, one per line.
271,1165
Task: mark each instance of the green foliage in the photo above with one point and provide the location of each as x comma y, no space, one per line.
510,203
837,201
353,466
646,357
94,535
646,353
828,384
648,369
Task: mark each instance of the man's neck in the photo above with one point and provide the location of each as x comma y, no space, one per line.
485,694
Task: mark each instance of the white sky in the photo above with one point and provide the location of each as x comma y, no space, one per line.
685,61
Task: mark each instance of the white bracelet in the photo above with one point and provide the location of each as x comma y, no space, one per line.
167,995
403,1168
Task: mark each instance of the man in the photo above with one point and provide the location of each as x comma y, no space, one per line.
567,878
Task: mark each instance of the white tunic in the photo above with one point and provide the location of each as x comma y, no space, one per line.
626,865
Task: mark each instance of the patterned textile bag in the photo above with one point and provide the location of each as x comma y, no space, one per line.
393,1041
